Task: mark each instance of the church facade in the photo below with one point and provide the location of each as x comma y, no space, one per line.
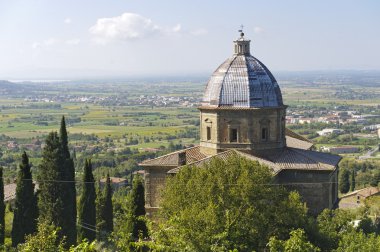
242,113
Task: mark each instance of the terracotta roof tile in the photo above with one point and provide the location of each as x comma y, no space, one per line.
193,154
286,159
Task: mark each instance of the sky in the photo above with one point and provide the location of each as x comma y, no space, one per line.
69,39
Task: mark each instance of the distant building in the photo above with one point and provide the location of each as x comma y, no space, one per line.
356,198
326,132
115,182
341,149
372,127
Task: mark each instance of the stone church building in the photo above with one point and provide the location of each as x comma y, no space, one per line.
242,112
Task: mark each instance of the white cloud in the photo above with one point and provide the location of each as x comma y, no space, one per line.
199,32
67,21
258,30
177,28
46,43
128,26
74,41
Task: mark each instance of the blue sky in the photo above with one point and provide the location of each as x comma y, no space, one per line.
126,38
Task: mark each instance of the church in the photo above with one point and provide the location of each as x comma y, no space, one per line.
242,112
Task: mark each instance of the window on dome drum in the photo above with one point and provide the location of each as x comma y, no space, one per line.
233,135
264,134
208,133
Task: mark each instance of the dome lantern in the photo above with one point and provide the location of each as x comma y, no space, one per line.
241,45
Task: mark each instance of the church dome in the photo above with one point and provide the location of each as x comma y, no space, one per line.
242,81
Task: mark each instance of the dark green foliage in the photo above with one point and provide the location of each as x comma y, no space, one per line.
137,210
87,212
353,175
2,208
296,243
69,190
104,211
344,182
376,179
25,206
50,179
227,205
108,210
331,225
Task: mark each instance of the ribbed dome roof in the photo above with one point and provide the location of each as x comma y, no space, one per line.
242,81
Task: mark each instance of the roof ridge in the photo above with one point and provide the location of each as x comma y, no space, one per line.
224,76
259,158
171,153
296,135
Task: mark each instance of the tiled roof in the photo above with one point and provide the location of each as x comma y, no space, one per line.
295,140
286,159
365,192
293,134
193,154
296,143
298,159
114,180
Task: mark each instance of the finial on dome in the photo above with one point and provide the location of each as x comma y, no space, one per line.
241,31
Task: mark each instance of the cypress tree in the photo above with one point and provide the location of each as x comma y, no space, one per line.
104,220
50,177
353,182
344,183
137,209
69,192
87,212
99,213
2,208
108,208
25,212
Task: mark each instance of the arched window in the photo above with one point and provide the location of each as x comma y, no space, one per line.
208,133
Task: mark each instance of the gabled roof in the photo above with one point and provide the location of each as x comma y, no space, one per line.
193,154
295,140
365,192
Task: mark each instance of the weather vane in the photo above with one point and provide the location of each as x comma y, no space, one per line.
241,28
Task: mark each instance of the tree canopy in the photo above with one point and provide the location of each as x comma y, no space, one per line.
227,205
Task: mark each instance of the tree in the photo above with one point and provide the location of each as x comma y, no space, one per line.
353,180
25,207
87,212
104,220
2,208
137,210
296,243
375,179
46,239
344,182
331,225
226,205
358,241
50,180
69,191
130,225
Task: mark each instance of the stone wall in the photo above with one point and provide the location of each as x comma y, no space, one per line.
249,124
154,178
317,188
